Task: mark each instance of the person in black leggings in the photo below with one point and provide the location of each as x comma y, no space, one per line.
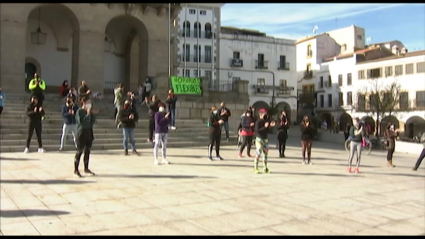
214,124
419,161
391,134
35,114
247,133
282,135
307,136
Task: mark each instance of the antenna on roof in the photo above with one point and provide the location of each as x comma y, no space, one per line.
315,28
368,40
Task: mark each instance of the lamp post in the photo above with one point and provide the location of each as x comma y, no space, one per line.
38,37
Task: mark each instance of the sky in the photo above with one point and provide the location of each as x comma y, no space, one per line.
382,22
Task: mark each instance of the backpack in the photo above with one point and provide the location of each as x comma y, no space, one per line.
208,124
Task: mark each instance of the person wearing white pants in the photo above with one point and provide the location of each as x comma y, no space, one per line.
161,134
69,122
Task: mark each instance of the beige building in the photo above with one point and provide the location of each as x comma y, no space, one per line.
103,44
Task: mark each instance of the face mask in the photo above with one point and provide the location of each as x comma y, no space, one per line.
161,109
248,114
88,106
215,112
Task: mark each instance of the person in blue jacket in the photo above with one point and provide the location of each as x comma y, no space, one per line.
69,122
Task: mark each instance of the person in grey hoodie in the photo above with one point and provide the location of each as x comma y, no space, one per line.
118,102
69,123
161,133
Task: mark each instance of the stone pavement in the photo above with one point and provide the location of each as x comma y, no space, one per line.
192,196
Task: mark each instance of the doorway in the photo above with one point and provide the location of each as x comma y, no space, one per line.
30,70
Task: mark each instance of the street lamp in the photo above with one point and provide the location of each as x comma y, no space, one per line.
38,37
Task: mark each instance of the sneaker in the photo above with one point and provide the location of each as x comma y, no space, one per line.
357,170
60,149
210,158
41,150
240,156
267,170
155,162
414,169
164,161
309,162
256,171
303,162
219,158
283,156
136,153
249,155
77,174
173,128
126,152
227,139
349,170
27,150
89,173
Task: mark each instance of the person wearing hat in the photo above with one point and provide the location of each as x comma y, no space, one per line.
262,127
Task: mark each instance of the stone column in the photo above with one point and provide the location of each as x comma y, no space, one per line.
158,65
90,60
12,56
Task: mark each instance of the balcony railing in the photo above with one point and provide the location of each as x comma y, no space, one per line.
283,66
308,74
224,86
236,62
307,97
197,34
195,59
420,104
261,64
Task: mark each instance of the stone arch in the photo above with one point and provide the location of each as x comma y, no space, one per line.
35,63
369,120
208,31
259,105
345,119
414,125
186,28
129,61
325,116
389,119
284,106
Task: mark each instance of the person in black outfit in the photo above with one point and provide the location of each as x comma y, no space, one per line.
85,118
391,134
419,161
262,128
129,117
171,101
153,108
214,124
282,135
224,115
35,113
347,131
307,136
247,132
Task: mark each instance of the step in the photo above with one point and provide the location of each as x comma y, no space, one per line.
59,119
110,124
140,146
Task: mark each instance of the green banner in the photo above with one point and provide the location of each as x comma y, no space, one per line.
186,85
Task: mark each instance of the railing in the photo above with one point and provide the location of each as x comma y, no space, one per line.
306,97
197,34
283,66
308,74
261,64
236,62
420,103
194,58
110,85
224,86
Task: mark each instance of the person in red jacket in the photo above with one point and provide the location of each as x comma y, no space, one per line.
247,132
64,90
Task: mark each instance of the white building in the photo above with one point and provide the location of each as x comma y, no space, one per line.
197,45
408,70
267,63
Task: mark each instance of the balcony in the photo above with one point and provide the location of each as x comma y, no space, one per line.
284,90
266,89
260,89
283,66
308,74
197,34
261,65
420,104
307,97
206,59
236,62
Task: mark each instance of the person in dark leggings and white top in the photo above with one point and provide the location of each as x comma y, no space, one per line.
356,134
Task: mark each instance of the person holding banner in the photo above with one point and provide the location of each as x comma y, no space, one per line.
214,124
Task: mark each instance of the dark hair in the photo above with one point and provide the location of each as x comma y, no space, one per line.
161,104
34,97
84,99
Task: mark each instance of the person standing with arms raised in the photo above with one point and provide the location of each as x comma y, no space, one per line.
171,101
128,118
262,127
83,91
35,114
69,123
282,135
161,133
37,87
214,124
224,115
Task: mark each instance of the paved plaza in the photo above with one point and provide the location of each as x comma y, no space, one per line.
193,196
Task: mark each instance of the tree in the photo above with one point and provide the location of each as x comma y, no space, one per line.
383,99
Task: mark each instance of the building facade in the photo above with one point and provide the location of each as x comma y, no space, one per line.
103,44
196,41
267,63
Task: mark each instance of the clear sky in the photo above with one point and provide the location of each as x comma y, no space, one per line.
383,22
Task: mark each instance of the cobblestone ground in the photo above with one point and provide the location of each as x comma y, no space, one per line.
193,196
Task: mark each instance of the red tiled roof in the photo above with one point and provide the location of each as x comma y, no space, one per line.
352,53
408,54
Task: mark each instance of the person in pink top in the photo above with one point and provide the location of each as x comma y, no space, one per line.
247,132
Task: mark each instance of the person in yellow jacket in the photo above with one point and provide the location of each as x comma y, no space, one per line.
37,87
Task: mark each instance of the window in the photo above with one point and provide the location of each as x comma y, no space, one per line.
420,99
349,80
404,100
341,99
329,100
192,11
359,37
197,55
261,85
309,67
349,98
409,68
361,101
282,62
373,101
340,80
186,56
420,67
344,47
208,74
388,71
322,101
361,75
309,51
207,54
187,74
197,28
186,29
260,60
195,73
321,82
203,12
283,83
208,33
236,55
329,81
374,73
398,70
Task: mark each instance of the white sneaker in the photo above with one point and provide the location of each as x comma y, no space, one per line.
164,161
303,162
173,127
41,150
27,150
155,162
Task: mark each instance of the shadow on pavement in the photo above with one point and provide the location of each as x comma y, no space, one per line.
53,181
399,174
30,212
151,176
18,159
187,156
320,174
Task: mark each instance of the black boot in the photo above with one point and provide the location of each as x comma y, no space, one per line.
283,151
210,152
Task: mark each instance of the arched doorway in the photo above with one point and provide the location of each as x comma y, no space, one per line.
126,52
30,70
50,43
414,126
389,119
283,106
370,121
326,117
344,120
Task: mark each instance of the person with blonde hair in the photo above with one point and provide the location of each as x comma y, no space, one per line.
307,136
214,124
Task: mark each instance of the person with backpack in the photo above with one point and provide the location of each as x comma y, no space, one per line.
214,123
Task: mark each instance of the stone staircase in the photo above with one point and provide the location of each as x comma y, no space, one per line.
14,127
